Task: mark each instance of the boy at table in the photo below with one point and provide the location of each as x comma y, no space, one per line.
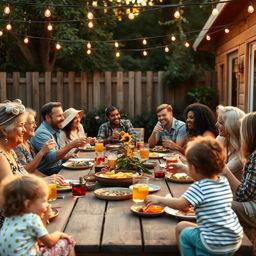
218,231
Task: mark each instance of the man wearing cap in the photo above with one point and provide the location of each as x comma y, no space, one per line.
110,131
51,163
172,130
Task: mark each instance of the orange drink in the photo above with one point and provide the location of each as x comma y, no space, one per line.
171,159
99,147
144,153
52,192
139,144
140,189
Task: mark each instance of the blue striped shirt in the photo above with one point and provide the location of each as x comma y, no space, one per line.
217,222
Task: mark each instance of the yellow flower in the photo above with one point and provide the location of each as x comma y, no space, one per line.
126,138
129,152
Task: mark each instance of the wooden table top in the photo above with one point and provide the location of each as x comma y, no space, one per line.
104,227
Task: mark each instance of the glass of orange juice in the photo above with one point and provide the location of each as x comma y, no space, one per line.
112,160
171,159
140,189
99,146
144,153
52,192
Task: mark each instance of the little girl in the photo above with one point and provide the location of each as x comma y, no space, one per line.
217,231
24,201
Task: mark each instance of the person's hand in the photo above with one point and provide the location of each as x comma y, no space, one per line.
65,236
150,200
169,144
55,178
78,142
180,166
91,140
157,129
115,135
48,146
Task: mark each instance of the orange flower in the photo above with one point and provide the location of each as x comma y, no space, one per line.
126,138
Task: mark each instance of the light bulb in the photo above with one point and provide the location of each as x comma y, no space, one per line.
1,32
227,30
9,26
90,24
89,46
95,3
187,44
144,41
208,38
119,18
58,46
173,38
116,44
250,8
49,27
7,10
166,49
47,13
177,14
145,53
90,15
88,51
131,16
117,54
26,40
215,12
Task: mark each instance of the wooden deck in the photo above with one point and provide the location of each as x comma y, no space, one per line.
102,227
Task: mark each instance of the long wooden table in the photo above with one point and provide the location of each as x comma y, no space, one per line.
106,227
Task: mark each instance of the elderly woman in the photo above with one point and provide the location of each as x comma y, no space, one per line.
72,129
228,124
26,154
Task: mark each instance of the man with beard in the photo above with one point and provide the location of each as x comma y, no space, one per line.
51,163
168,131
109,132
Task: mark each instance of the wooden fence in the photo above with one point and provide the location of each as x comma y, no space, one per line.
134,92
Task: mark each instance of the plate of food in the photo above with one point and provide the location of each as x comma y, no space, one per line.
66,187
188,214
116,178
155,155
77,165
152,188
150,211
113,146
113,193
54,213
178,177
87,148
150,164
159,149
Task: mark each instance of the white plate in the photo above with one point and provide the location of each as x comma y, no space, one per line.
66,165
127,195
159,155
81,159
173,212
152,188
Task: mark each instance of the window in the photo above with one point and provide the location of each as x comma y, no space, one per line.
252,78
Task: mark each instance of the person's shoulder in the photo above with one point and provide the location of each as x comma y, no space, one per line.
179,122
104,124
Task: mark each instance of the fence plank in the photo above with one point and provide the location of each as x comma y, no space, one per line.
108,88
96,90
48,86
29,89
3,88
120,90
84,93
149,90
59,86
71,87
131,93
138,93
35,91
16,85
159,89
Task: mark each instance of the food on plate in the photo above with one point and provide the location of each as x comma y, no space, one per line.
153,155
179,176
150,209
118,175
190,211
87,148
65,185
78,164
90,179
160,149
112,192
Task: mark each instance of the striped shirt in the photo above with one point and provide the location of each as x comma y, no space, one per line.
217,222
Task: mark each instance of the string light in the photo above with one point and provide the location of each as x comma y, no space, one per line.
187,44
90,24
26,40
144,42
131,16
227,30
89,51
89,46
145,53
117,54
7,10
208,38
166,49
58,46
173,38
9,26
116,44
177,14
250,7
47,13
90,15
49,27
215,11
1,32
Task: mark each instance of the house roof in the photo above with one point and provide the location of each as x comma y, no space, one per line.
229,14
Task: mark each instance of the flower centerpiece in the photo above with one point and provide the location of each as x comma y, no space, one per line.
127,160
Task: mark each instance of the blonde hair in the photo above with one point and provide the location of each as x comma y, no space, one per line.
248,135
164,106
207,155
15,190
232,117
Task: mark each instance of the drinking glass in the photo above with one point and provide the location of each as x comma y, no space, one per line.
78,188
171,159
140,189
139,145
52,191
165,138
112,160
159,173
99,146
144,153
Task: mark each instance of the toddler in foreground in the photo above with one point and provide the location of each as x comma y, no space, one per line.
24,201
217,231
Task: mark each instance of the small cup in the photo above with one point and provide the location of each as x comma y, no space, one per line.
99,146
78,188
159,173
144,153
140,189
52,192
171,159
